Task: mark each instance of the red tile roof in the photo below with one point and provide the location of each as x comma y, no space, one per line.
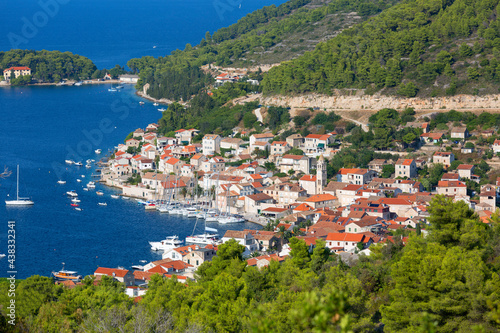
110,271
345,237
321,197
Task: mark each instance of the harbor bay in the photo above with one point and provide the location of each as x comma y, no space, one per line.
57,123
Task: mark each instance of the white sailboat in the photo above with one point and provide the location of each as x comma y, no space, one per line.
19,201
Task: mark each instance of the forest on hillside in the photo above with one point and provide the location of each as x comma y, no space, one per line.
256,32
431,48
49,66
446,281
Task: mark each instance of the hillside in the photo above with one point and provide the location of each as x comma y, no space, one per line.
269,35
424,48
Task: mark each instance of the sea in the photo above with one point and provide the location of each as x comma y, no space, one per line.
41,127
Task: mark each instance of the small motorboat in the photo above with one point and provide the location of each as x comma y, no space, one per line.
62,182
75,200
141,103
125,198
85,189
2,255
69,161
72,193
75,205
119,87
78,163
78,209
112,89
99,193
98,151
114,196
137,267
91,185
64,275
155,104
83,176
78,83
102,204
88,166
162,109
79,180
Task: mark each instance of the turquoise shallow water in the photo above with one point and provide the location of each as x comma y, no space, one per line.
42,126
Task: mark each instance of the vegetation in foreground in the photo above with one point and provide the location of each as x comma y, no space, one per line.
446,281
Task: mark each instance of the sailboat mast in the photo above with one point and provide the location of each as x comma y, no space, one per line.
17,190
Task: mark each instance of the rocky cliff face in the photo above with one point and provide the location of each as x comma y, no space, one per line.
367,102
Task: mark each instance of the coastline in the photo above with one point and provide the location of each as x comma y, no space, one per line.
149,98
67,84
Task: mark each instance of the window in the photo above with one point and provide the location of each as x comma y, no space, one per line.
188,262
197,263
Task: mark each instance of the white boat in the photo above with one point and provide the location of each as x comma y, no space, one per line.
88,166
102,204
141,103
78,83
79,180
85,189
2,255
98,151
114,196
91,185
154,46
75,200
119,87
205,238
230,219
155,104
125,198
99,193
78,209
19,201
83,176
69,161
61,182
162,109
137,267
78,163
72,193
112,89
171,242
193,213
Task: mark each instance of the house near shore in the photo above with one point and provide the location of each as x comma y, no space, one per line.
18,71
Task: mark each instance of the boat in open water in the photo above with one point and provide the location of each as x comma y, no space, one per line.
19,201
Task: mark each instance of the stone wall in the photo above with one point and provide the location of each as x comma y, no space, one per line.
377,102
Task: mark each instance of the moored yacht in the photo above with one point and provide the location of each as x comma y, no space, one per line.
72,193
206,238
230,219
168,243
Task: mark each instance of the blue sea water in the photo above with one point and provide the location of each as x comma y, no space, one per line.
113,31
40,127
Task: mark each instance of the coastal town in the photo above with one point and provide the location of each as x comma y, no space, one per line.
283,185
